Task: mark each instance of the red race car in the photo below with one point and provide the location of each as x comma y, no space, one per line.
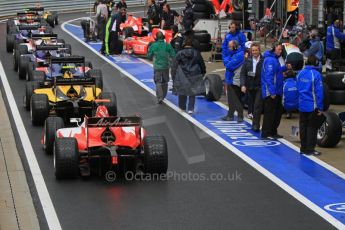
140,45
133,26
104,143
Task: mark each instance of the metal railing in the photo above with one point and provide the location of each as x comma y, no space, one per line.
10,8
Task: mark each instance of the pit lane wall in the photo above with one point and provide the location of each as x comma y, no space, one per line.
10,8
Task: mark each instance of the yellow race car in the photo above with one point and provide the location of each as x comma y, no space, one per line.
51,17
66,96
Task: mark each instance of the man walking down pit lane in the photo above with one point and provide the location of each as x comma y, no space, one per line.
272,91
161,53
233,61
310,91
190,70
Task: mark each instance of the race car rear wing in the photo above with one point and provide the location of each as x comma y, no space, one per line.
49,47
23,13
70,59
35,9
93,122
29,27
40,36
75,81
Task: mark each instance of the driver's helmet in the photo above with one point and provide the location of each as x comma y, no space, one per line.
102,111
25,33
40,54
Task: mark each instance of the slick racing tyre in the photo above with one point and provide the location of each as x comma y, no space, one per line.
335,80
200,8
337,97
51,125
205,47
112,104
329,134
66,158
29,90
39,108
202,37
10,39
23,66
200,15
214,87
155,155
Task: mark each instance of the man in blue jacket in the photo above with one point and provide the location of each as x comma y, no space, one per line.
316,48
272,90
233,61
310,90
234,34
333,42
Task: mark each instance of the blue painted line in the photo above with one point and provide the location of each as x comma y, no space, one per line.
313,181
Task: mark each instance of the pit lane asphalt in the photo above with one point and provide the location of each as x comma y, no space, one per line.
251,202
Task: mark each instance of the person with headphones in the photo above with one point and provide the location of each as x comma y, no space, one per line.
162,53
234,34
272,91
310,91
333,38
233,61
316,48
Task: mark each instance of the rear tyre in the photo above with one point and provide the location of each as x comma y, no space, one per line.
29,90
337,97
66,158
329,134
39,108
23,66
10,42
155,155
214,87
51,125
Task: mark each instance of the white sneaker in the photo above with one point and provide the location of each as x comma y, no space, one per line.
190,111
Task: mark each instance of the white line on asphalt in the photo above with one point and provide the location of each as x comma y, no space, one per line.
43,194
240,154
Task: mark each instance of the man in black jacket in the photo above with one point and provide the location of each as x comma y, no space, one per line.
250,80
152,14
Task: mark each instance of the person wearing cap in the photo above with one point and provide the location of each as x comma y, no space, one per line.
112,33
316,48
162,53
